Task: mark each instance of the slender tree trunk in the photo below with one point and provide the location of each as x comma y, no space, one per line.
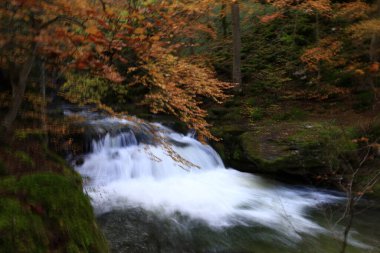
18,89
295,27
374,45
317,38
373,57
350,219
223,17
374,54
236,37
43,104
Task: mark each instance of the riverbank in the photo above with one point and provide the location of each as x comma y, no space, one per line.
298,140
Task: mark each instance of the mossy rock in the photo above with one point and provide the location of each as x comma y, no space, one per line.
269,155
47,212
307,148
228,147
226,131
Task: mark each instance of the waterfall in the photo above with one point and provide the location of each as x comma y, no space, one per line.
152,167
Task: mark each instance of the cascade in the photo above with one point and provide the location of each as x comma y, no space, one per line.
152,167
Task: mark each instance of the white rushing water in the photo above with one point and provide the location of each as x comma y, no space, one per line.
131,169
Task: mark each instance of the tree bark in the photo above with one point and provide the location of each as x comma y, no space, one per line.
317,39
236,37
374,54
43,104
18,91
373,57
223,17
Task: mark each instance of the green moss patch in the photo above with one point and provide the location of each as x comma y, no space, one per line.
47,212
299,148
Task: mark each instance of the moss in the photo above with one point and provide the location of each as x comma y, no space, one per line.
25,158
268,156
256,113
219,147
326,143
292,114
306,149
52,156
46,212
22,231
237,154
317,134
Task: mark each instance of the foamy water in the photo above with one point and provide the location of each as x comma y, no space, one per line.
128,170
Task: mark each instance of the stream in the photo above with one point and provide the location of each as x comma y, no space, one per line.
155,190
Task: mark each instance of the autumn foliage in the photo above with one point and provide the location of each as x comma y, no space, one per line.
127,43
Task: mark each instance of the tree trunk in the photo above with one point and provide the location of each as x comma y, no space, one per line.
317,39
18,90
374,54
295,27
373,57
236,37
350,218
43,104
223,17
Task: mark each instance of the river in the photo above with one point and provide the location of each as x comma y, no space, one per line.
155,190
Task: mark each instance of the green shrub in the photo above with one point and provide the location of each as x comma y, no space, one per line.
24,158
256,113
364,100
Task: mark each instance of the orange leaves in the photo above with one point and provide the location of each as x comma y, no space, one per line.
94,38
322,7
362,139
353,10
324,52
92,30
111,74
374,68
271,17
179,85
139,31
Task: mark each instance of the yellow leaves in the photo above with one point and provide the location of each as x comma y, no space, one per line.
93,30
155,38
359,72
80,4
139,30
365,29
